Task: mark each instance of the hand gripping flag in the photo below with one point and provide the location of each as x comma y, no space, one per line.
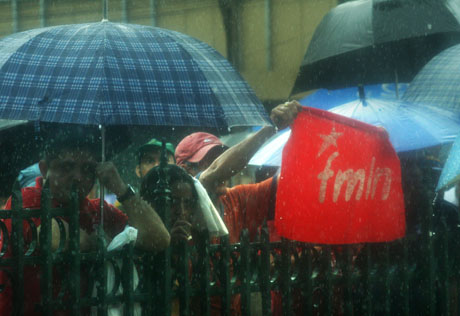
340,182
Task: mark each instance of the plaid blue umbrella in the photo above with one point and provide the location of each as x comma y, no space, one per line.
410,127
438,83
117,74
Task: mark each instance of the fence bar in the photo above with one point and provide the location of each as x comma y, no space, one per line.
328,289
163,259
74,249
245,273
148,265
264,277
163,273
307,280
387,280
286,276
405,278
46,252
432,263
348,280
128,280
185,289
226,284
368,280
102,272
443,237
204,273
18,250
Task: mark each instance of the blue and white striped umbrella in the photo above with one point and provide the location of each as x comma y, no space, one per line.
438,83
117,74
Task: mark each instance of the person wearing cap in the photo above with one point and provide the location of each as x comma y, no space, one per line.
149,156
244,206
204,155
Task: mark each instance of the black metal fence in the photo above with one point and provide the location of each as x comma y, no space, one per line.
417,275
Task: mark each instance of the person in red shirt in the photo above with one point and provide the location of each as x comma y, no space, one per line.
244,206
203,155
71,162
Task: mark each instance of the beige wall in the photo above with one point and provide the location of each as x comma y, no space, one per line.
292,25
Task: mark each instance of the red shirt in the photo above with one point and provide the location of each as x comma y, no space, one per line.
246,206
114,223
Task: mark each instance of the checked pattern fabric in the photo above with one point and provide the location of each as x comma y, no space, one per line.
121,74
438,83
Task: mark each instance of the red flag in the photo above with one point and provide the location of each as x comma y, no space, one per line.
340,182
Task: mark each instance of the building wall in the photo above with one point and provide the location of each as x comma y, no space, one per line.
269,53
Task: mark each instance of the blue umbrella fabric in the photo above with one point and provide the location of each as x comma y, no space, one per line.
410,127
110,74
450,174
438,82
325,99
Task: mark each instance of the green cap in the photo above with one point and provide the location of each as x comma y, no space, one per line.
156,144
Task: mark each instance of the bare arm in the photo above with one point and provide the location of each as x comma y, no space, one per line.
237,157
152,234
234,159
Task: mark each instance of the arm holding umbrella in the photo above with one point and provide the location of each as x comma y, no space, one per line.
237,157
152,234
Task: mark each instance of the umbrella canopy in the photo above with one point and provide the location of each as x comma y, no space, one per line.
438,83
117,74
327,99
410,127
450,174
367,41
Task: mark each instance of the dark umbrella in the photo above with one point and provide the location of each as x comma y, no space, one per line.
375,41
438,83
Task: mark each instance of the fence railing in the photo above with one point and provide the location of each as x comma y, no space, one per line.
413,276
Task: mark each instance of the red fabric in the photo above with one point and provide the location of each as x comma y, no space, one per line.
114,223
312,205
246,206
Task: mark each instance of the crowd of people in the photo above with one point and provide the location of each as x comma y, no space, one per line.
200,163
197,172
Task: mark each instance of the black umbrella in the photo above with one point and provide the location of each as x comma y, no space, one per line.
375,41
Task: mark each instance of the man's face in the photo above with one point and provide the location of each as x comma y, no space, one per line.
183,203
195,168
71,167
149,160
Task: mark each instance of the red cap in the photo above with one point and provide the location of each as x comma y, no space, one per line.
195,146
